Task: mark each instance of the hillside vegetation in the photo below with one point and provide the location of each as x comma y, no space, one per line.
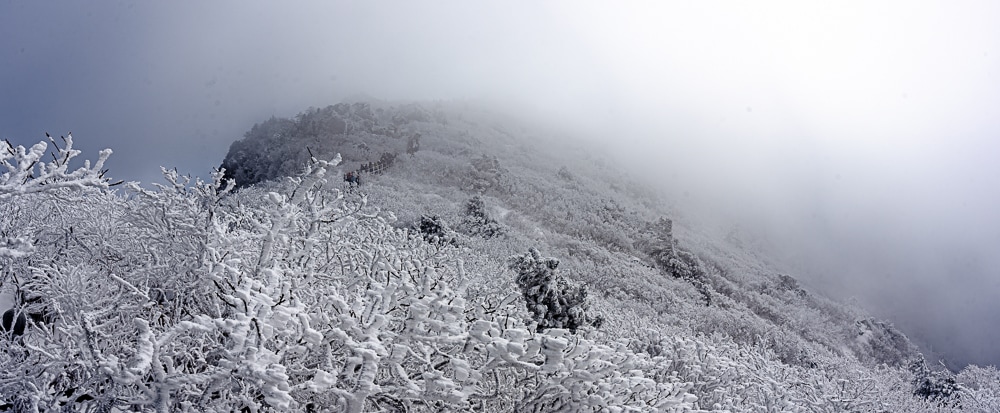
471,263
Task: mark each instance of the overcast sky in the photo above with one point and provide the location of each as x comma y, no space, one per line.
866,131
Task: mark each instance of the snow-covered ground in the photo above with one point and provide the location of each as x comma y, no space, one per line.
491,270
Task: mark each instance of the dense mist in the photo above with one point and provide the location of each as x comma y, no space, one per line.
858,140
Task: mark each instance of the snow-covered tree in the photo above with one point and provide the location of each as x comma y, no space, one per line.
553,302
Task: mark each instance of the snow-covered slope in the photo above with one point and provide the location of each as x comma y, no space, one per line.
646,276
484,264
610,233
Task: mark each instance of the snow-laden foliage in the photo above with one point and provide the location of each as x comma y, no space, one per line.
981,388
279,147
552,301
434,230
936,386
297,301
477,220
608,232
486,174
291,295
25,172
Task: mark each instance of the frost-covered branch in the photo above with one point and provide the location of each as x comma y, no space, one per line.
25,172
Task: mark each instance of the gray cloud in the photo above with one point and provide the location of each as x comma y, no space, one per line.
863,136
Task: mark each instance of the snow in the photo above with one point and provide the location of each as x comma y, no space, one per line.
295,292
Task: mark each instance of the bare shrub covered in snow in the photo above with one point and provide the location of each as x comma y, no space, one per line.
293,296
299,302
25,173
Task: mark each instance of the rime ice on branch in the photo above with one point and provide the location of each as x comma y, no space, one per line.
24,172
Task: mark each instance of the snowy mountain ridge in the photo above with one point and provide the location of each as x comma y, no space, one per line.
489,268
593,203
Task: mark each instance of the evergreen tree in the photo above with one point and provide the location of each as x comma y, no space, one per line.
552,301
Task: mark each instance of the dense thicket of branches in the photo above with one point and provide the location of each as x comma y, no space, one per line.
292,295
186,298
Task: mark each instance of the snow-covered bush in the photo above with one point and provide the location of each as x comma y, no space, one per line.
980,388
936,386
25,173
477,221
486,174
553,302
434,230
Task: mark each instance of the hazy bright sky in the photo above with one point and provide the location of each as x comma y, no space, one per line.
866,130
